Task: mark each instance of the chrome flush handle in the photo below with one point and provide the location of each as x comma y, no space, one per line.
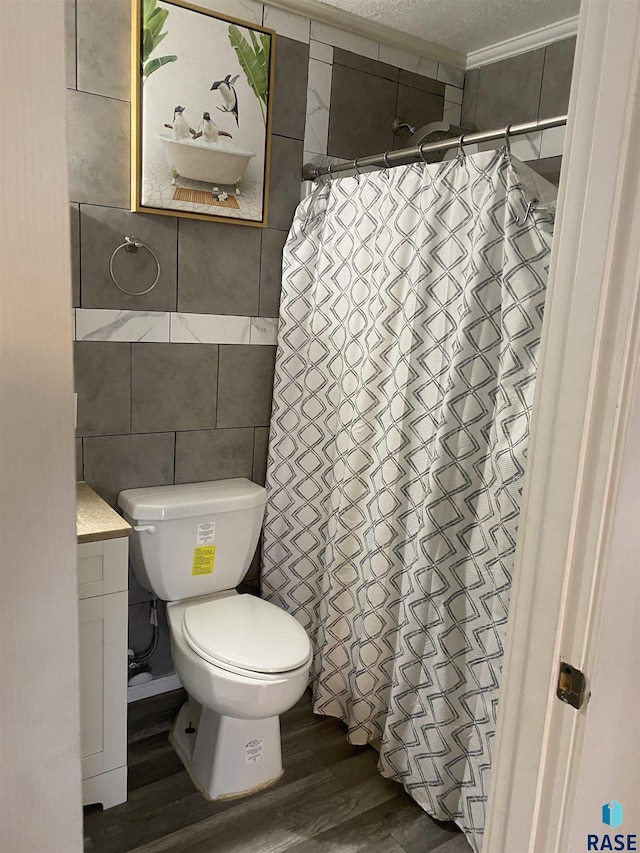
145,528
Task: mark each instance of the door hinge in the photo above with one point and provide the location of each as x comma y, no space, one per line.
572,686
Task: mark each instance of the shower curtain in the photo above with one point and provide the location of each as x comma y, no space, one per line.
409,328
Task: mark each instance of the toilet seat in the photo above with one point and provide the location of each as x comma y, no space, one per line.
245,634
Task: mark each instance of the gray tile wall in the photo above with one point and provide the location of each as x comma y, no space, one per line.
519,89
366,96
149,413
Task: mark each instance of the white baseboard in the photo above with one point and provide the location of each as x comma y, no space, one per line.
163,684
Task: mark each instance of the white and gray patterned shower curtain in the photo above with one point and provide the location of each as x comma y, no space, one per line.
409,327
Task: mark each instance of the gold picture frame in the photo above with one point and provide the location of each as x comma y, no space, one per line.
202,85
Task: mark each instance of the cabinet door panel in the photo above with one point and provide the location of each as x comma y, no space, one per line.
103,682
91,637
115,679
102,567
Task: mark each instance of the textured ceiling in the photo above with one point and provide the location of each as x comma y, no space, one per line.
462,25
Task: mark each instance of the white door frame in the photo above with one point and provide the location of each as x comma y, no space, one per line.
585,387
40,784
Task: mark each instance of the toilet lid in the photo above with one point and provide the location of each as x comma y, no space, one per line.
247,632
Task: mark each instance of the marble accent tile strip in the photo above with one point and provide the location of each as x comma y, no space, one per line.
410,62
347,41
105,324
552,143
287,24
264,331
321,52
320,159
209,329
452,112
449,74
316,131
527,147
246,10
453,93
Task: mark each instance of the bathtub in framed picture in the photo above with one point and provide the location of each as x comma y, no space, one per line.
202,86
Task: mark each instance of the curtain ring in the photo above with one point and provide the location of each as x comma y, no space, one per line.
385,157
507,143
530,207
330,167
461,154
356,169
420,152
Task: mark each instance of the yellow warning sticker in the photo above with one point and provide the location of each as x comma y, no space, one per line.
203,558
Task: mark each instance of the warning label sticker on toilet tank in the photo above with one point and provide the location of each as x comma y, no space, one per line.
206,534
253,750
203,558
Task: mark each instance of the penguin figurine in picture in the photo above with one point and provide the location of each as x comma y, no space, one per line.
180,126
229,96
209,131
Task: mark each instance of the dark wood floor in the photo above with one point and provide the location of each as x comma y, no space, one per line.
331,798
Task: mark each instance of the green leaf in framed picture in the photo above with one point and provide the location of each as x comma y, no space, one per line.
255,64
156,63
156,21
153,19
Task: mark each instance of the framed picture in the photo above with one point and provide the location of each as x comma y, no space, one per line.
201,108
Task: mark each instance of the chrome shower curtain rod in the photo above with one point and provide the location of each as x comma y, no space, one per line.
408,155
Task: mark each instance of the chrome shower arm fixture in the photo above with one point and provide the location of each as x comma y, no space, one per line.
398,126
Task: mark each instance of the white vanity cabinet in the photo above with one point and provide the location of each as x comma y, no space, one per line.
102,616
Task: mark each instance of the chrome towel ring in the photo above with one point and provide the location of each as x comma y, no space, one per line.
132,244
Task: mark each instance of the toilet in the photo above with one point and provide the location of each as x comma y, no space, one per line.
243,661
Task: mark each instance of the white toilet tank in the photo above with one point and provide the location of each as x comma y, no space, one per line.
199,538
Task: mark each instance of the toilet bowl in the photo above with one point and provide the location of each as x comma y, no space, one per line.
243,661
